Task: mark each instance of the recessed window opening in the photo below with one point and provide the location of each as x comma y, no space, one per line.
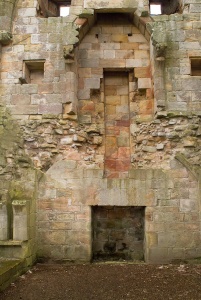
195,66
165,7
33,71
64,11
155,9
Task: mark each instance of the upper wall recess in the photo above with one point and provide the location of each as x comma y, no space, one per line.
168,7
51,8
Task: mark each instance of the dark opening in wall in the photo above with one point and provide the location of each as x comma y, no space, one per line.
118,232
164,7
195,66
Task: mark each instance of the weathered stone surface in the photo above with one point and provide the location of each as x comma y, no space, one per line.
113,120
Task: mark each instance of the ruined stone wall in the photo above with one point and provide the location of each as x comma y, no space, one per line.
18,182
53,84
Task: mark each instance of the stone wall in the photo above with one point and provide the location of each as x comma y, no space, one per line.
56,134
18,181
170,198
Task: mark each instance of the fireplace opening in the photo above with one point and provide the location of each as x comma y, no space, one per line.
118,233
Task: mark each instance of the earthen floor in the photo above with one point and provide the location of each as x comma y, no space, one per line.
107,281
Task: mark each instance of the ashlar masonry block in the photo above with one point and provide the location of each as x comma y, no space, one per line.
144,83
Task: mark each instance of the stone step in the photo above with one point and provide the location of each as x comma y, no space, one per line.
10,269
11,249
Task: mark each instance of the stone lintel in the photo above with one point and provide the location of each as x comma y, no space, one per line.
107,6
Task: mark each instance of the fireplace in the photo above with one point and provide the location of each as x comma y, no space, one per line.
118,232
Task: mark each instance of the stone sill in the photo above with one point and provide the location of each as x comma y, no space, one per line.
11,243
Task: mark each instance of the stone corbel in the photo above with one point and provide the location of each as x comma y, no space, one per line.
160,49
5,37
68,52
159,41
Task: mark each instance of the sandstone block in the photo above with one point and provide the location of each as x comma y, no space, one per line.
132,63
195,8
110,110
141,54
123,141
54,109
109,54
27,12
142,72
109,46
21,99
92,83
38,99
55,237
152,239
84,94
23,110
117,63
144,83
129,46
149,149
61,226
66,141
97,140
69,108
89,63
188,205
29,89
85,119
45,88
112,99
137,38
94,54
120,38
85,72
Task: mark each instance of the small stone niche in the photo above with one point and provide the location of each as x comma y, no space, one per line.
33,71
118,233
53,8
195,66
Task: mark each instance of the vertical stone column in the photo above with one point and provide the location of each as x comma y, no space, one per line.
159,85
158,55
6,15
20,218
3,222
117,125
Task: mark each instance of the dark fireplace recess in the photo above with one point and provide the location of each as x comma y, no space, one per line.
118,232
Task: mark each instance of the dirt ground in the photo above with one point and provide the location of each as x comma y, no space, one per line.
107,281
